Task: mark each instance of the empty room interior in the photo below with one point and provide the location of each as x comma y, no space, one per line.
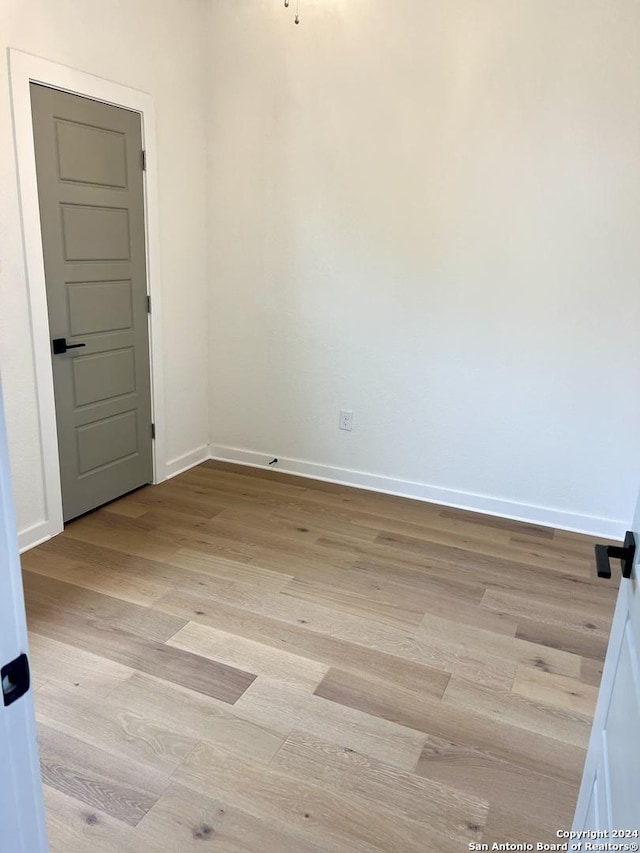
320,359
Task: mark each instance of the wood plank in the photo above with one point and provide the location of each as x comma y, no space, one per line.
276,664
97,633
578,616
340,823
212,469
275,522
403,577
239,495
503,824
75,667
196,716
553,559
284,709
558,723
195,822
293,565
591,671
181,519
340,518
157,543
307,517
123,789
425,650
47,597
464,726
197,673
170,496
446,814
467,567
370,601
216,566
511,648
75,827
231,483
248,536
129,509
520,527
574,552
125,584
581,643
430,543
334,638
119,533
195,571
482,775
440,594
118,730
557,690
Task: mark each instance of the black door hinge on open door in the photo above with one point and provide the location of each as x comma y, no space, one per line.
16,679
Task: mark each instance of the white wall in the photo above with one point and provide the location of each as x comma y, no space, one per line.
428,212
157,46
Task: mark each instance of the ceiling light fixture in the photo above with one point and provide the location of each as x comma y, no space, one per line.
297,17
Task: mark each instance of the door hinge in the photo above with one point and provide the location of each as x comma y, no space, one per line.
143,160
153,431
148,305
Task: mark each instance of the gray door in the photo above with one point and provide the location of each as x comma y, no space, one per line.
90,188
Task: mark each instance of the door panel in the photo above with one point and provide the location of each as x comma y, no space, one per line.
610,793
106,441
95,233
102,376
622,751
90,188
99,306
91,155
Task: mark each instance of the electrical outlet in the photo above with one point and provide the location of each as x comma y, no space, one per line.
346,421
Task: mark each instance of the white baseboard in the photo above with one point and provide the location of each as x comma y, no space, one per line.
605,528
186,461
34,535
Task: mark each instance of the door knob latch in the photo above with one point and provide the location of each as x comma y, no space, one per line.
625,554
15,679
60,346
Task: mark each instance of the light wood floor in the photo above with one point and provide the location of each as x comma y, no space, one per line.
237,660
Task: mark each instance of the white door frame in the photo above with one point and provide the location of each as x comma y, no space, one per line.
25,69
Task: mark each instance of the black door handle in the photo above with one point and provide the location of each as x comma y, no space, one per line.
15,679
624,554
60,346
